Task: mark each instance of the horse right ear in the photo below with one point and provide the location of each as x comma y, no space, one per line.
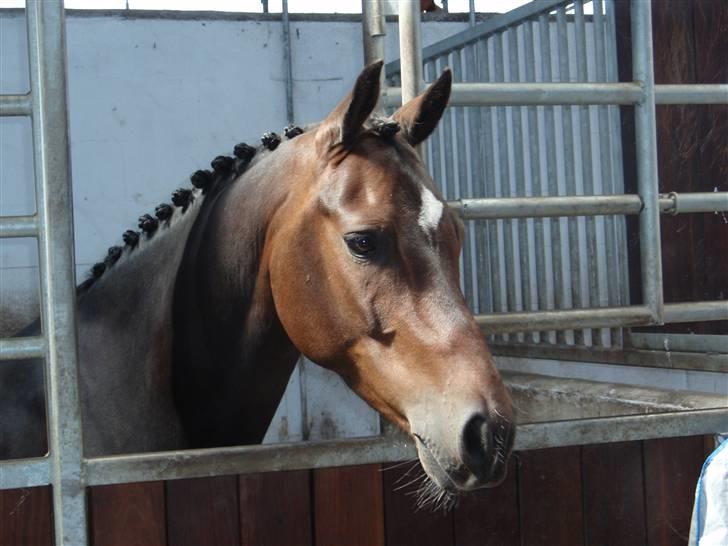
345,122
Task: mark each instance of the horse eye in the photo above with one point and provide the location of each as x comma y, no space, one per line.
361,245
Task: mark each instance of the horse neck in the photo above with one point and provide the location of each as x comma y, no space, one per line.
232,358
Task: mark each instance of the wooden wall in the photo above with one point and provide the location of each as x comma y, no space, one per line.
633,493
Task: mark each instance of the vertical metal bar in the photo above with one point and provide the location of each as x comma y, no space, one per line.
615,125
544,26
374,29
410,48
288,61
524,259
47,54
646,151
460,180
471,12
587,172
537,187
504,178
569,168
605,149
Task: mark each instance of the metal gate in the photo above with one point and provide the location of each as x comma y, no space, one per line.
69,473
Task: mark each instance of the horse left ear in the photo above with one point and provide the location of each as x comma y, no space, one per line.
420,116
345,122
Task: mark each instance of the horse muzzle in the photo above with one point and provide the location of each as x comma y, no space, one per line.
479,458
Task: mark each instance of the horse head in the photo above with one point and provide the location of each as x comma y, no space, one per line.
363,267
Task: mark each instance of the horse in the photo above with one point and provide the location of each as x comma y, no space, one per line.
332,242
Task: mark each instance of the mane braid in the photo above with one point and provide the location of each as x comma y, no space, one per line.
225,169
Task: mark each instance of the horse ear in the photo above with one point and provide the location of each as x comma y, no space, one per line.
344,123
420,116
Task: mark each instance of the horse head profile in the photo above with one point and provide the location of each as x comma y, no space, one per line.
332,242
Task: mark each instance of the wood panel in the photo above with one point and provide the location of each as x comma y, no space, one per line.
128,515
405,525
490,516
550,493
275,509
672,468
203,511
614,508
348,506
25,517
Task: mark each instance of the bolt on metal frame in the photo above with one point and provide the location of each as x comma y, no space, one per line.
69,473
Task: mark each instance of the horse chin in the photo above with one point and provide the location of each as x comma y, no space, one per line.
447,481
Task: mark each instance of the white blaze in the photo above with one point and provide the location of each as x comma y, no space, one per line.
431,210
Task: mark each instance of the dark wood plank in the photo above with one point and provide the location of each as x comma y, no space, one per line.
128,515
550,497
405,524
275,509
203,511
672,468
490,516
613,485
26,517
348,506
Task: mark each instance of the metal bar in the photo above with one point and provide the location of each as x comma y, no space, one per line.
266,458
374,30
646,159
564,319
410,48
22,348
621,429
611,279
538,186
679,342
18,226
47,55
521,249
481,30
581,93
575,264
587,169
600,317
238,460
555,227
585,205
534,94
287,60
676,360
692,94
24,473
697,311
682,203
15,105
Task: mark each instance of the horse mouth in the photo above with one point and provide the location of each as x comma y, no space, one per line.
447,480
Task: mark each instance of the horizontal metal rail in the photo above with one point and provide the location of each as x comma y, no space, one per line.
584,205
530,94
18,226
292,456
15,105
25,473
22,348
601,317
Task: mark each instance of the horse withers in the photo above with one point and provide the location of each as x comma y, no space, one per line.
332,242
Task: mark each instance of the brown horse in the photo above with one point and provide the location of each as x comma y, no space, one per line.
334,244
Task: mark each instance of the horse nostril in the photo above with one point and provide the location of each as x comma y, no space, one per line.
477,444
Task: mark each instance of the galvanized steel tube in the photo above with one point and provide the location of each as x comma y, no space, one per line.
47,54
19,473
18,226
410,48
646,158
22,348
15,105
